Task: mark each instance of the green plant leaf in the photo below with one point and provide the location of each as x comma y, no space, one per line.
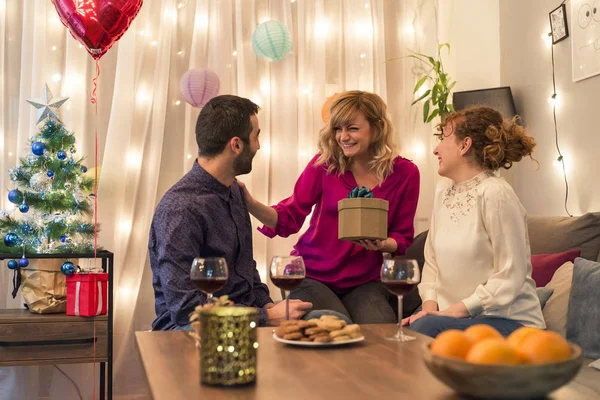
425,111
451,86
421,98
441,46
429,58
450,107
420,83
423,60
434,114
443,78
442,100
434,92
437,66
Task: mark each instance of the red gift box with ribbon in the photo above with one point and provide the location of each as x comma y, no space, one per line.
87,294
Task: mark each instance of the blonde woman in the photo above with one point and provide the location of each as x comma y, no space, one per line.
356,149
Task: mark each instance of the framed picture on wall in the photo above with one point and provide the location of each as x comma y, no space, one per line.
558,24
584,39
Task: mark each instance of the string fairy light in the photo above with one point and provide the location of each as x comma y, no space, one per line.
554,100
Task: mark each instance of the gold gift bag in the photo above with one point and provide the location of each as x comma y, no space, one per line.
228,345
44,286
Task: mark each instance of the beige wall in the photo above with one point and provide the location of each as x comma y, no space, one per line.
472,29
469,26
526,67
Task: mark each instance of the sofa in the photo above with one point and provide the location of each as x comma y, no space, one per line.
547,236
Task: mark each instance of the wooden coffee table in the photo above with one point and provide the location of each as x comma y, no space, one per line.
373,368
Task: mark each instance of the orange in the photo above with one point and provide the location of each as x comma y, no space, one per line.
452,343
493,351
520,334
481,332
544,347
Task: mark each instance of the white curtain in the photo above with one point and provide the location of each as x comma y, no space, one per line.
146,131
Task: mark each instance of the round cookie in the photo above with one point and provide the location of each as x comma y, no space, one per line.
293,336
331,325
314,331
322,339
351,328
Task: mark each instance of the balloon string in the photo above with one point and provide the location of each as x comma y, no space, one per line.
94,100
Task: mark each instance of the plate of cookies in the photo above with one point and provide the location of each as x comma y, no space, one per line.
323,332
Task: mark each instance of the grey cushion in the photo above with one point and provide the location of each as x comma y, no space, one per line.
583,318
412,300
417,249
549,235
544,294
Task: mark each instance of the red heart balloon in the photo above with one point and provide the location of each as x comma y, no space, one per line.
97,24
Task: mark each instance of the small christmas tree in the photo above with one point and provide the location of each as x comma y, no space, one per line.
52,212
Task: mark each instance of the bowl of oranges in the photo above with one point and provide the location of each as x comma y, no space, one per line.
480,362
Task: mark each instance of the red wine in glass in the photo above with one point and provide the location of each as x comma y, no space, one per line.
399,287
210,285
399,276
287,273
209,274
287,283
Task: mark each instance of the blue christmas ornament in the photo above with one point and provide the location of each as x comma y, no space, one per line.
23,208
11,239
12,264
15,196
38,148
23,262
68,268
63,238
61,154
50,174
83,169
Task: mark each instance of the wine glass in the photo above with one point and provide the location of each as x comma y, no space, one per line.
287,273
209,274
399,276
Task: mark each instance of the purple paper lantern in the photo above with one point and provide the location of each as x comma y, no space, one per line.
198,86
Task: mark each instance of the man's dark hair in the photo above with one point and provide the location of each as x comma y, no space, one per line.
221,119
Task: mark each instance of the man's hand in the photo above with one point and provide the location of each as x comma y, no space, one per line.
276,313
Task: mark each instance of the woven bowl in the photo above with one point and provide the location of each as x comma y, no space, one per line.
503,381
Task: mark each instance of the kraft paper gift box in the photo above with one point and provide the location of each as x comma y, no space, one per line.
87,294
362,218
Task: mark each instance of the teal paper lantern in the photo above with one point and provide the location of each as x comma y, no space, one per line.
271,41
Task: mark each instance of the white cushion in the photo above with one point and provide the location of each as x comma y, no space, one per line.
556,309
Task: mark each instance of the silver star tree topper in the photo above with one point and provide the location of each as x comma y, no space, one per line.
47,108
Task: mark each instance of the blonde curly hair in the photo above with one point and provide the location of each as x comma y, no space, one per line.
382,147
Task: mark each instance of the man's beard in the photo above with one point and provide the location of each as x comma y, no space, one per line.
243,164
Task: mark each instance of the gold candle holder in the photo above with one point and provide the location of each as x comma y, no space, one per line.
228,345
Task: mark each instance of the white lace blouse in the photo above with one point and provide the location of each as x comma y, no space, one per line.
477,251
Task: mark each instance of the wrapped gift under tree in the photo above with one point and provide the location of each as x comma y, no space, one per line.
52,199
87,294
